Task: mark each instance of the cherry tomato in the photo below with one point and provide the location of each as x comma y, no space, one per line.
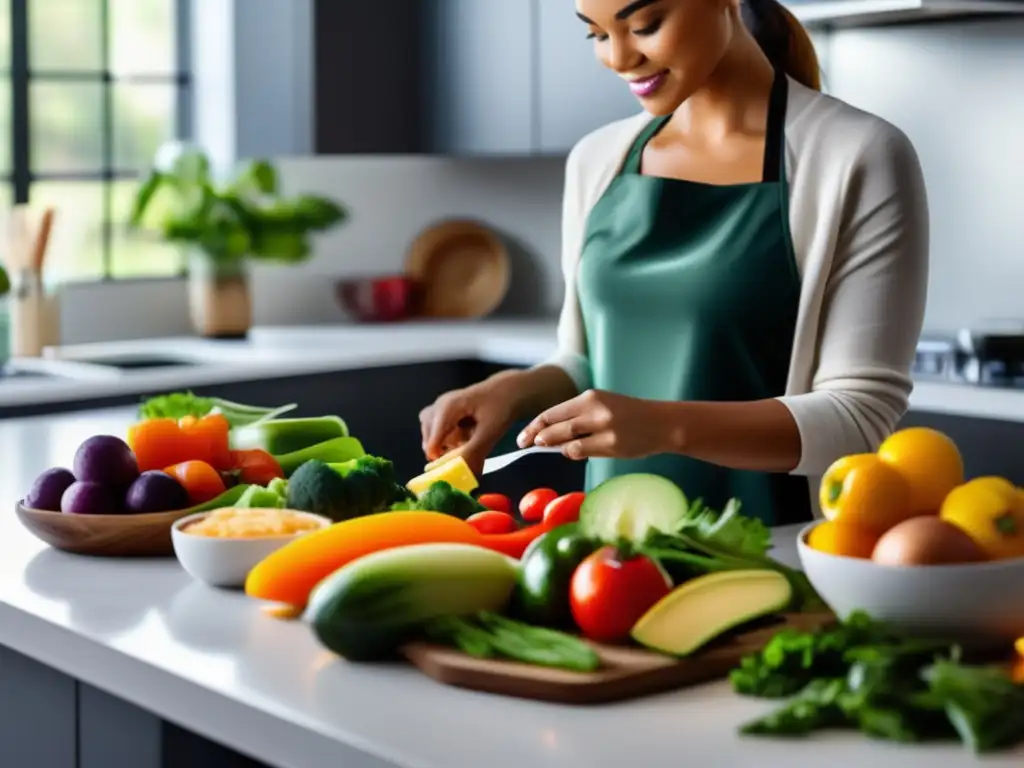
610,590
532,505
563,510
255,466
493,521
499,502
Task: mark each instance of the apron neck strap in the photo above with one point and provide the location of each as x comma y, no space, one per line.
775,132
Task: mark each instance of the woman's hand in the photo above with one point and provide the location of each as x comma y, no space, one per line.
599,423
468,421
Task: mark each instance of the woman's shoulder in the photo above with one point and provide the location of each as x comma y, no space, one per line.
595,159
823,126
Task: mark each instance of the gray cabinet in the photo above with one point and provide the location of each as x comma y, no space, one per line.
480,97
576,92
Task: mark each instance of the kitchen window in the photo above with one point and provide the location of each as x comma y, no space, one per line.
88,90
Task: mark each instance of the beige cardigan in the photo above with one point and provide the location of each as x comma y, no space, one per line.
859,223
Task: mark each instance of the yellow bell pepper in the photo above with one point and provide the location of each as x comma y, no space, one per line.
991,511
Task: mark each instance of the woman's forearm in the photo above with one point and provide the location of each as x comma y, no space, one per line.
760,435
535,389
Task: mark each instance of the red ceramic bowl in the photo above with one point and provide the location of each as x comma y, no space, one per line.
379,299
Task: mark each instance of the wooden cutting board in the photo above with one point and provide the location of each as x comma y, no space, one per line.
626,673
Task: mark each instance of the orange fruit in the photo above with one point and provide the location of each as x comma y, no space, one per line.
838,538
930,462
863,490
1019,647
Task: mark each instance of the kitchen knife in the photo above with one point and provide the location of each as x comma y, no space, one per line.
495,463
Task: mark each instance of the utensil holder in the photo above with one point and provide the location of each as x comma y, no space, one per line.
33,318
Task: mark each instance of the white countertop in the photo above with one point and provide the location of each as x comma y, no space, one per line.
210,661
271,352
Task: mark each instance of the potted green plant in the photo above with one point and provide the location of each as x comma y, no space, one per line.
226,225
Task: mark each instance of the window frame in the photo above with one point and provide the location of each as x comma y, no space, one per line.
22,176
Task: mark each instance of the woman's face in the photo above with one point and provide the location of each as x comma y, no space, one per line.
664,49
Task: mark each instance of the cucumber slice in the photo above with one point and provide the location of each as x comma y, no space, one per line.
629,506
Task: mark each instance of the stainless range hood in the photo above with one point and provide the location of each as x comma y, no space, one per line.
863,13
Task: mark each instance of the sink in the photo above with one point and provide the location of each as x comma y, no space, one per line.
29,368
140,362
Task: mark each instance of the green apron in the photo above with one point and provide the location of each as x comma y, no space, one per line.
689,291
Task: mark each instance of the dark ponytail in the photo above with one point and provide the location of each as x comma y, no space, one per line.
784,40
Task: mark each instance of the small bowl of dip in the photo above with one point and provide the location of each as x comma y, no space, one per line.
221,546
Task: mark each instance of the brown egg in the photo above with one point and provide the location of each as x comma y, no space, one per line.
926,540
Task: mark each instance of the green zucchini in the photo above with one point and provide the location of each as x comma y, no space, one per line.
365,610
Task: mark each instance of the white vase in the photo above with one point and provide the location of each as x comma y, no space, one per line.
220,300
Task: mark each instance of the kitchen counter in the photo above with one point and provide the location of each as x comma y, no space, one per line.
276,352
210,661
90,371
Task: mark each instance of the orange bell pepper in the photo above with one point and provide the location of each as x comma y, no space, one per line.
289,574
159,443
201,482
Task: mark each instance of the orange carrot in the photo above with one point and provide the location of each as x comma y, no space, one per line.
289,574
201,481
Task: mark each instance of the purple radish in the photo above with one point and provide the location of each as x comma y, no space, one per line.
87,498
155,491
106,460
47,490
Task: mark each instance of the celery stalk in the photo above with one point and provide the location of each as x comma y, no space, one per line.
336,451
283,436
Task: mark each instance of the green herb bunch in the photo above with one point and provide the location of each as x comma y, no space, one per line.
5,282
243,217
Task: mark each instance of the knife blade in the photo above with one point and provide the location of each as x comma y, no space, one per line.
495,463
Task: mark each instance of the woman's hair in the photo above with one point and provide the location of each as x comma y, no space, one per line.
784,40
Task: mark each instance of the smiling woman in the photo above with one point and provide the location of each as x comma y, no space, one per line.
745,265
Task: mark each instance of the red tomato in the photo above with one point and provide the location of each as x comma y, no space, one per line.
563,510
255,467
609,592
492,521
499,502
532,505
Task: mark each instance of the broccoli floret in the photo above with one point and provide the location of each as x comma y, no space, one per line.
343,491
442,497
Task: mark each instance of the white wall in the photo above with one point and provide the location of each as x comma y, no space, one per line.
958,92
957,89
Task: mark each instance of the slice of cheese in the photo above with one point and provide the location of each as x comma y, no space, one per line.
455,472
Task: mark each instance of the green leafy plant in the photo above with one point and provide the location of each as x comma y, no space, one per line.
243,217
5,283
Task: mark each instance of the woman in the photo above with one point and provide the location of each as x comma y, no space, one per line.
745,265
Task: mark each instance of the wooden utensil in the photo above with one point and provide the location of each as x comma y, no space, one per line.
627,672
463,268
144,535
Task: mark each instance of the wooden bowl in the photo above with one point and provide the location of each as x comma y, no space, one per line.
125,535
462,267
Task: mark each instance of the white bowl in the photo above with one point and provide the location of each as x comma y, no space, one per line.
226,562
981,602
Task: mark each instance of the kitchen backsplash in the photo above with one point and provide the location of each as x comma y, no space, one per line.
957,90
952,87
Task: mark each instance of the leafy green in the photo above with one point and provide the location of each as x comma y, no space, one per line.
5,282
707,540
178,405
244,217
488,635
863,675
